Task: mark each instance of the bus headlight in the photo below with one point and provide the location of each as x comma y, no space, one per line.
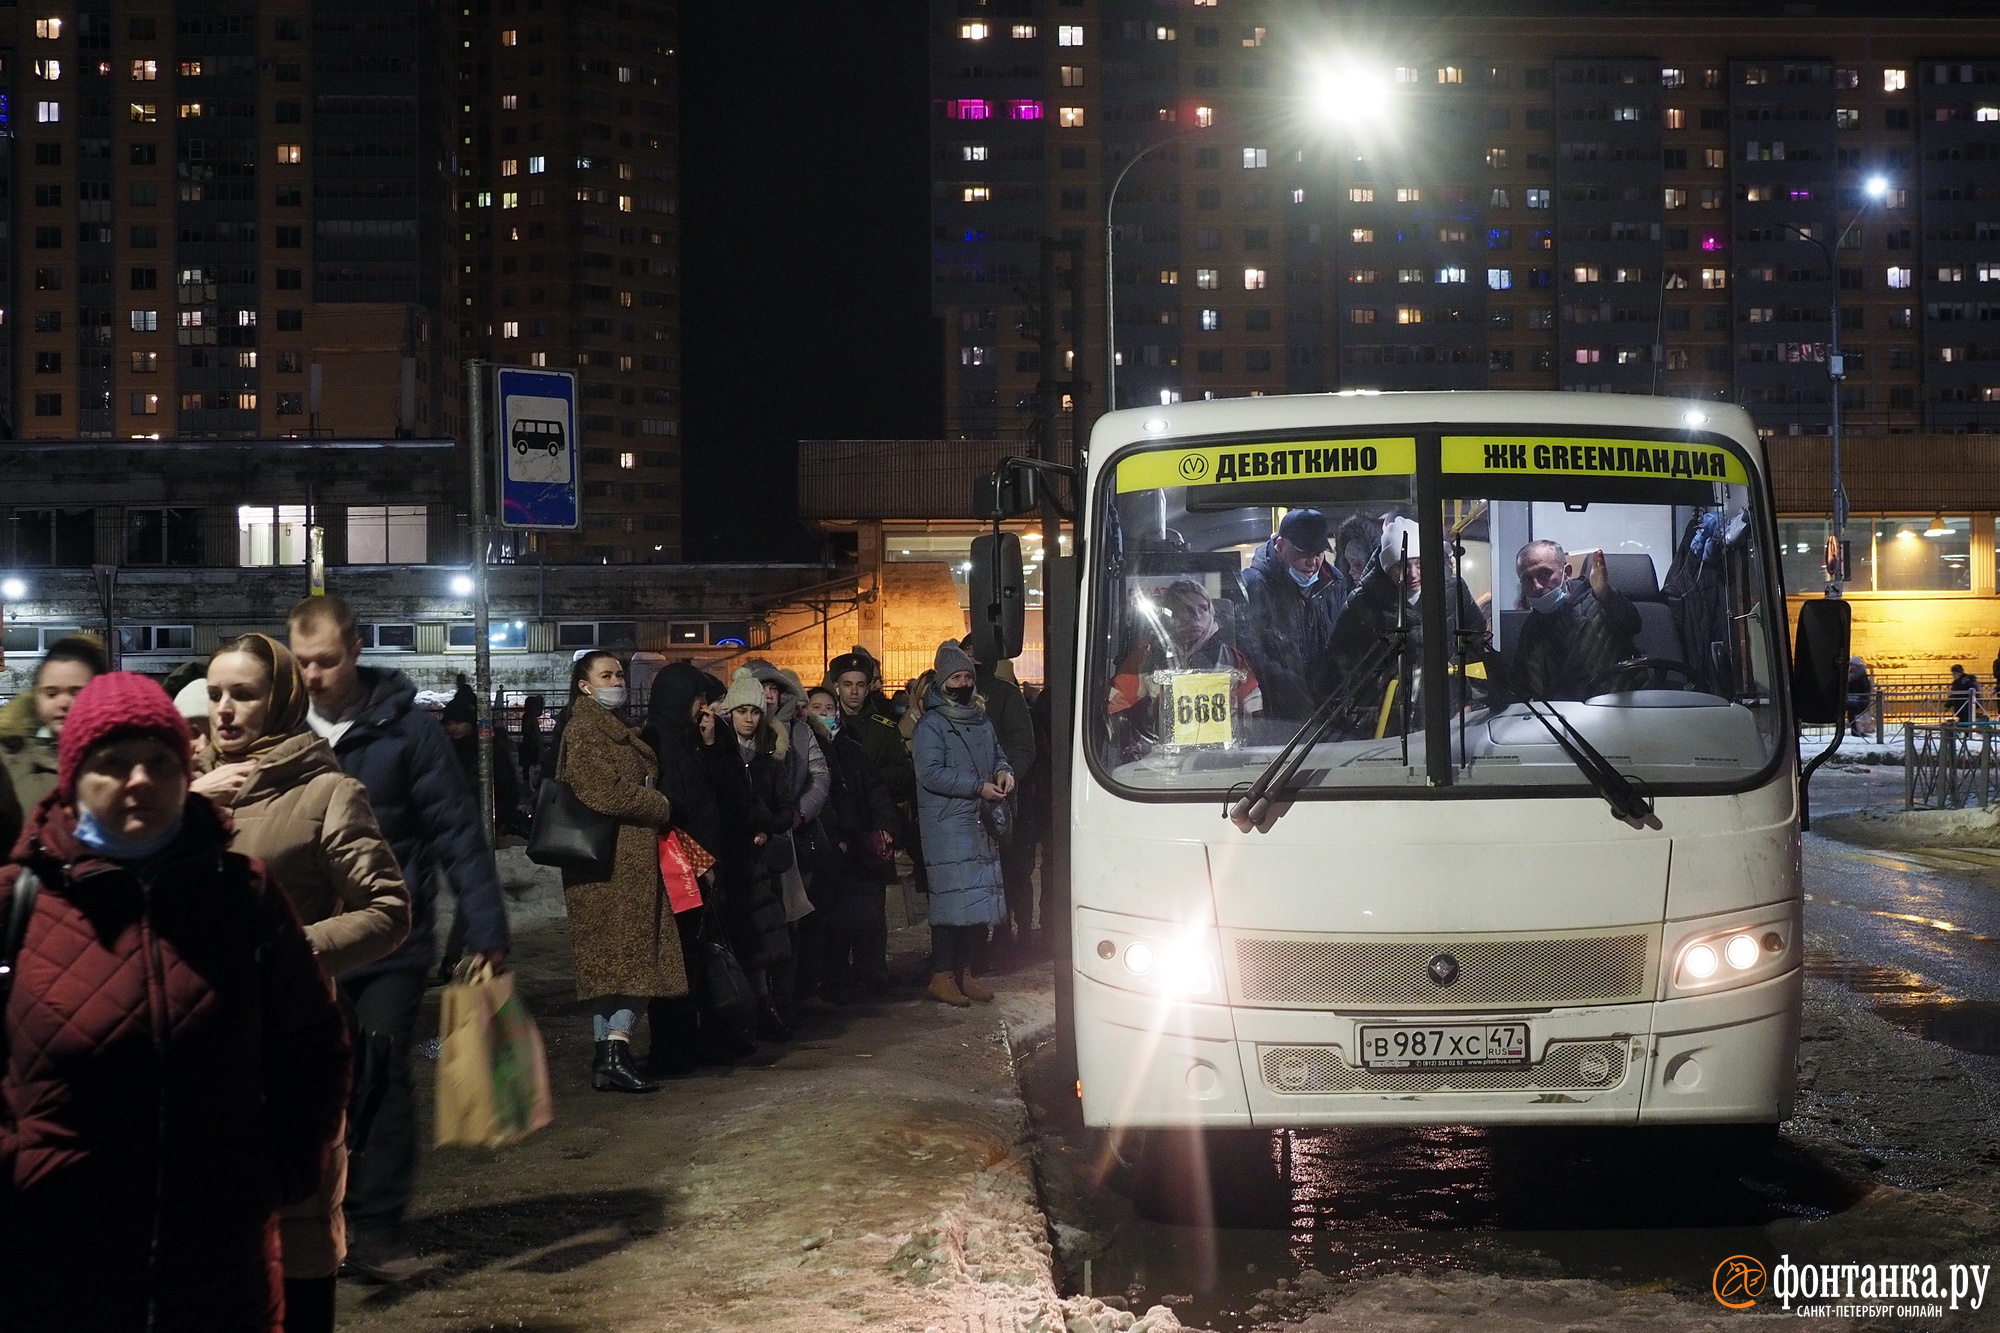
1183,966
1737,957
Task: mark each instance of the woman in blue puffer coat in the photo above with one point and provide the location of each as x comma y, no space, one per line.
960,769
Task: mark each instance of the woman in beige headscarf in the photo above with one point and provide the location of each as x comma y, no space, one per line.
310,824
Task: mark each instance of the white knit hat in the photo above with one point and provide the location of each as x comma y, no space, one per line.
1394,530
745,690
192,702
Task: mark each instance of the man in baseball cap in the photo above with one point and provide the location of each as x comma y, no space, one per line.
1295,598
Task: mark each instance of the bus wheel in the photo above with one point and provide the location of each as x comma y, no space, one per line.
1196,1177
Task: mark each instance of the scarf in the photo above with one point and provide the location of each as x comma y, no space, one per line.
116,846
937,700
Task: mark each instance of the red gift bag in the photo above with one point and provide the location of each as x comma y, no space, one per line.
679,869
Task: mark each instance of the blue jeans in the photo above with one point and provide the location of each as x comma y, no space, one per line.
614,1013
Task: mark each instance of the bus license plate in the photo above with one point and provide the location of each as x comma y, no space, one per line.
1444,1045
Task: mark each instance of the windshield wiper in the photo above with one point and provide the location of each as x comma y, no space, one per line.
1257,808
1628,803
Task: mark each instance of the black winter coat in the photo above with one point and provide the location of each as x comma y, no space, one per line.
1008,712
877,733
1371,615
428,813
676,742
752,799
859,804
1568,653
1290,632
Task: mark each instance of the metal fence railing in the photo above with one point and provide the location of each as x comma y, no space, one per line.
1949,765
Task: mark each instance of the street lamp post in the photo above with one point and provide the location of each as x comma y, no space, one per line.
1836,571
1351,95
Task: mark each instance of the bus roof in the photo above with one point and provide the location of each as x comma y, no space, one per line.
1361,410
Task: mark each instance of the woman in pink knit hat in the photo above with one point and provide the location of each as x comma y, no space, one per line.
175,1067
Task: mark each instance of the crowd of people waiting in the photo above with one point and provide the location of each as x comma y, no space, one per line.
218,919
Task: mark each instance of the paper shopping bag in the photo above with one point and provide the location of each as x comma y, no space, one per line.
682,878
492,1077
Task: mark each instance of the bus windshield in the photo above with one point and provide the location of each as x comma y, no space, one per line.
1433,593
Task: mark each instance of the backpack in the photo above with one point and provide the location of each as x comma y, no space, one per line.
27,887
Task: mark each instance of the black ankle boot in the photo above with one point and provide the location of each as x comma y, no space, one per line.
771,1025
614,1071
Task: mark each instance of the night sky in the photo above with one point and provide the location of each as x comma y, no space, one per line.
805,253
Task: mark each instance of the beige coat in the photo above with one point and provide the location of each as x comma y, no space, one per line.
621,930
311,826
28,756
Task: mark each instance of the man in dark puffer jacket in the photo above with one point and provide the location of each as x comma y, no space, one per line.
175,1065
1579,629
430,816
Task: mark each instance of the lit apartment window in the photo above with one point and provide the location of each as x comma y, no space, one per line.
1204,117
1162,33
1069,34
1673,78
48,29
1069,117
1211,320
1451,273
190,110
1496,158
1409,314
190,69
1714,279
1500,279
1588,356
1361,316
1360,194
1409,194
1989,272
1409,275
1072,76
1298,196
1499,199
145,71
1900,278
628,461
1450,74
1715,159
1255,159
246,402
537,165
1170,277
1674,198
1253,279
1950,273
510,328
972,152
510,199
1538,198
289,154
975,32
1024,32
145,363
1407,74
48,113
510,37
1364,275
510,166
146,404
145,321
1584,273
977,194
1362,235
1673,118
1896,199
1987,113
625,203
1207,279
1255,36
1895,80
509,101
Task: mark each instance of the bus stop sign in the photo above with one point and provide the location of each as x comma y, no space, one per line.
538,464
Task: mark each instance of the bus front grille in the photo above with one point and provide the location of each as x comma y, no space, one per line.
1549,970
1578,1066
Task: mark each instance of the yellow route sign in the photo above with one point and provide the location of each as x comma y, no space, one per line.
1212,465
1541,455
1199,703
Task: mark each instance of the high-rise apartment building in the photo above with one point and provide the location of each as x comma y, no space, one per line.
261,218
225,221
568,224
1594,197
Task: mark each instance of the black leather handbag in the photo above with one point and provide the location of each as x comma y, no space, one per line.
568,834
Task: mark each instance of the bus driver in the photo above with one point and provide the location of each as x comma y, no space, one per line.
1184,637
1580,628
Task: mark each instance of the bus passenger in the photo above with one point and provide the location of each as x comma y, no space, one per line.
1579,629
1295,598
1389,596
1186,638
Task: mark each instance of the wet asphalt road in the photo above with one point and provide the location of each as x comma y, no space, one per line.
1913,935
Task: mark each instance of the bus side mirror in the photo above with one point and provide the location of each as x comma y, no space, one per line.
1004,493
998,596
1819,662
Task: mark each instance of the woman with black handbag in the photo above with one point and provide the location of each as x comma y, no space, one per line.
626,948
963,782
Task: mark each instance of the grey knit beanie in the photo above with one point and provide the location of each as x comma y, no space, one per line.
952,659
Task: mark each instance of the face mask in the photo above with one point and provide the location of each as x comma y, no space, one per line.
832,723
1303,580
611,696
961,695
1550,601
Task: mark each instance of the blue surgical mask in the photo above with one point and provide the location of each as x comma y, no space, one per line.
1303,580
1551,601
116,846
832,721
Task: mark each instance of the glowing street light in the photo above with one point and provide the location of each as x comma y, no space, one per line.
13,590
1877,186
461,585
1352,96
